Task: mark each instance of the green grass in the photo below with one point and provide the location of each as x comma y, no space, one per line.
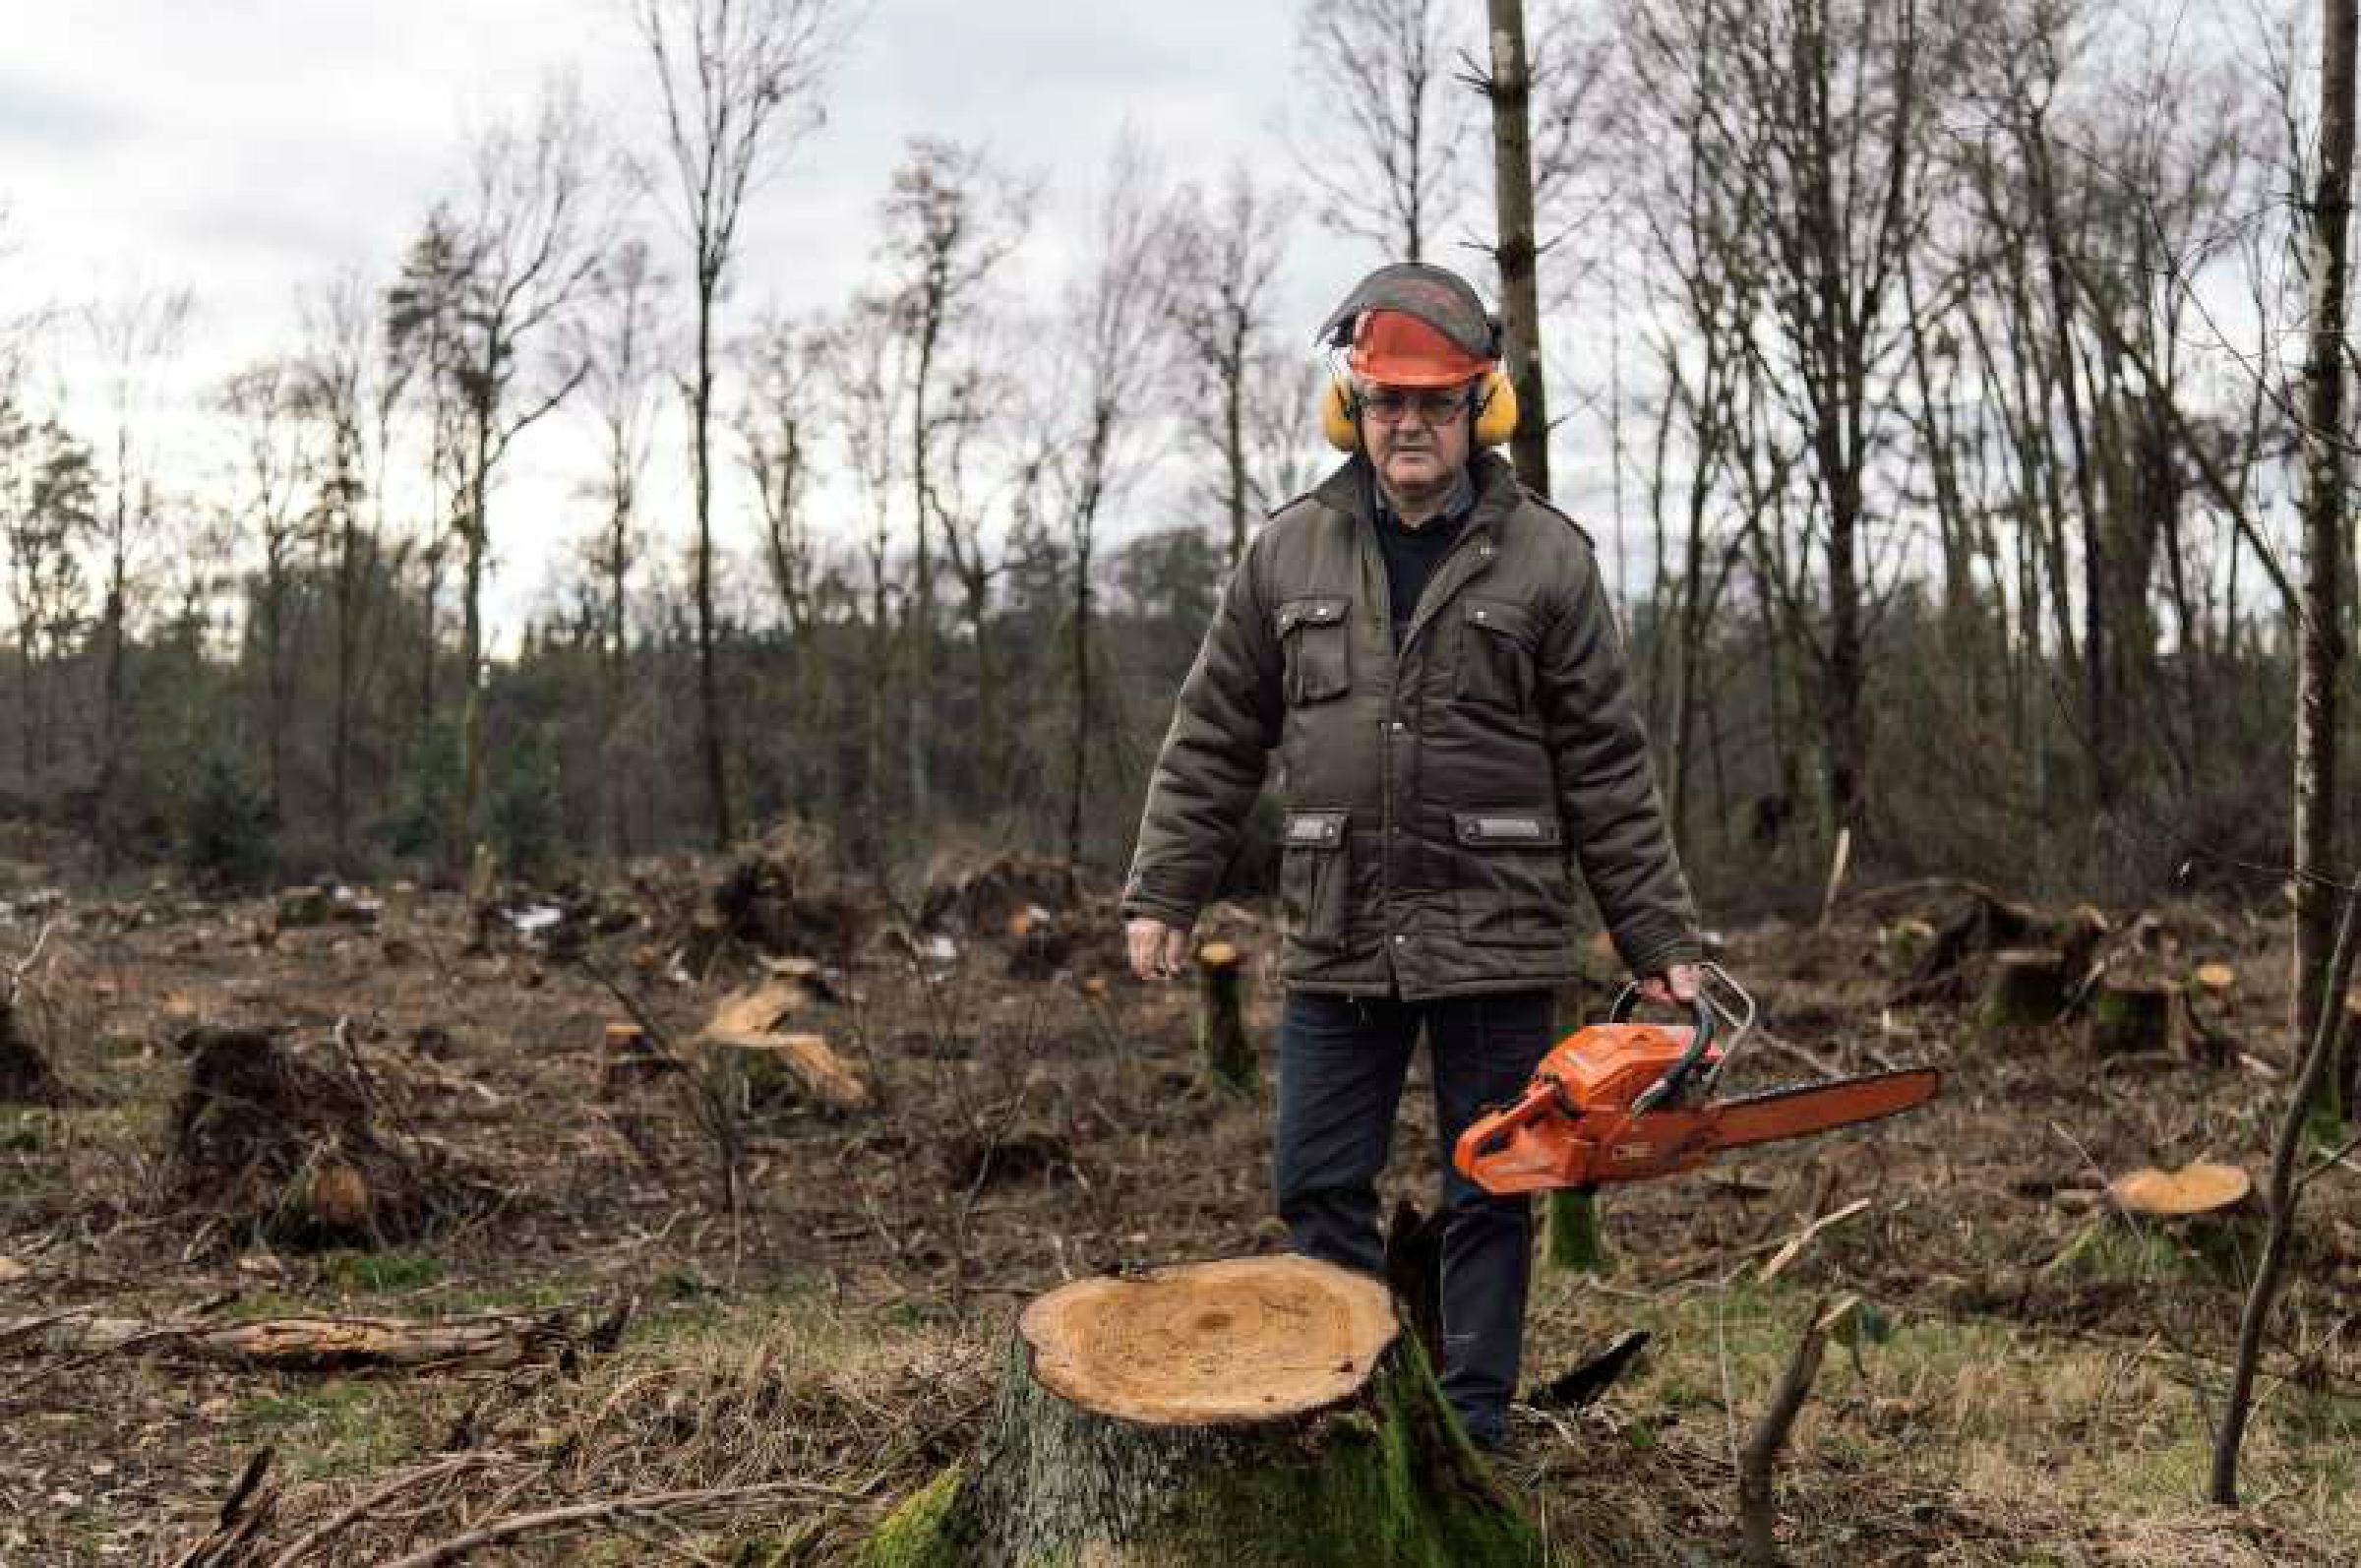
337,1426
380,1272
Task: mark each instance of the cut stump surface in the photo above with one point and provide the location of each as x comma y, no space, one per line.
1250,1413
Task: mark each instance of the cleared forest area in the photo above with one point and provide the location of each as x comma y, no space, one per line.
592,1268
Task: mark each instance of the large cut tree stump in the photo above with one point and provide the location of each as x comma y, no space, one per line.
1252,1412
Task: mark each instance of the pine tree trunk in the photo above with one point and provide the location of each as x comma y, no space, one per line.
1252,1412
1510,89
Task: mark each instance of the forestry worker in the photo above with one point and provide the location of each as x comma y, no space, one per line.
1427,646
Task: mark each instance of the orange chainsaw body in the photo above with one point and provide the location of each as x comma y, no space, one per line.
1610,1104
1575,1126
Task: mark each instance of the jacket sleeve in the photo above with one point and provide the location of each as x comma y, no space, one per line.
1606,783
1210,768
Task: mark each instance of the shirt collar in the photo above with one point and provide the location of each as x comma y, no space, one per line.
1456,506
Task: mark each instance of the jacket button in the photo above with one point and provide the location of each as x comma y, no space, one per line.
1400,938
1399,726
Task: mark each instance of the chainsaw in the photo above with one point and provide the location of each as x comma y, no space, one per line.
1624,1102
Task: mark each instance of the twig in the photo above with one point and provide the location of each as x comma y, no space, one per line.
1802,1238
344,1519
458,1547
1755,1493
2328,1162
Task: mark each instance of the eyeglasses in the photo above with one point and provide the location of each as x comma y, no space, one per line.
1386,405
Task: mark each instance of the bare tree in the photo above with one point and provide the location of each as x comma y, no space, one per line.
275,463
1114,317
2321,649
1508,87
502,290
740,79
949,220
48,513
1382,147
1228,251
625,344
132,337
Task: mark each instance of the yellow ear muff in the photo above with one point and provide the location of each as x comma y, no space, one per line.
1495,418
1336,417
1496,415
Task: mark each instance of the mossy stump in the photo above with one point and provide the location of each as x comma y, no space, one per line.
1222,1020
2027,987
1572,1240
2128,1016
1250,1413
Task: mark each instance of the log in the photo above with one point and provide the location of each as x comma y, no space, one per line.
2128,1016
1221,1021
1250,1413
303,1343
2027,987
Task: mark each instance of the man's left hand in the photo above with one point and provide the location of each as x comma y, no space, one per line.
1672,987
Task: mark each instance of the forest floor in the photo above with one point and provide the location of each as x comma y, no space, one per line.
2044,1395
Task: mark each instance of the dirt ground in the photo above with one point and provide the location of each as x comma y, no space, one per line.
2039,1388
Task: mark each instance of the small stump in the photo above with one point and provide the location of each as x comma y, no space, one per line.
1221,1019
2130,1016
1252,1412
2027,987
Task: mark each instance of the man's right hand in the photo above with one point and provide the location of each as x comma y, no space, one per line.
1157,950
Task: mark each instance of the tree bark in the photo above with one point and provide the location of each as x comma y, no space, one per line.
1252,1412
2321,649
1510,90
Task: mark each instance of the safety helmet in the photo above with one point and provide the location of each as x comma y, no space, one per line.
1414,325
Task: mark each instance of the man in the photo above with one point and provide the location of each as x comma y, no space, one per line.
1427,649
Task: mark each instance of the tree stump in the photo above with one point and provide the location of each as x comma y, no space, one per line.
1221,1021
1573,1240
1252,1412
2127,1016
2027,987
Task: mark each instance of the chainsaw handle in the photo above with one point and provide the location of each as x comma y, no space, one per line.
1701,1040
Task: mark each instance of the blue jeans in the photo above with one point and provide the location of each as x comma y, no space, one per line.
1341,1066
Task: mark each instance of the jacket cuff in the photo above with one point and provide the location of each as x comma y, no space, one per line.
1652,952
1138,902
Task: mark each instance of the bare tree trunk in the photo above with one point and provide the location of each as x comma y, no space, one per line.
708,685
2322,648
1510,90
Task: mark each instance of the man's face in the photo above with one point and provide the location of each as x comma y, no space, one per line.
1416,436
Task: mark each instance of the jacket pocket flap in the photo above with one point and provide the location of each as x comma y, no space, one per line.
1507,829
1315,829
1312,611
1505,617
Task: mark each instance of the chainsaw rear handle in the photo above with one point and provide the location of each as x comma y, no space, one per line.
1700,1041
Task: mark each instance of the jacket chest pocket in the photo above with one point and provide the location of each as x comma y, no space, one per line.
1313,636
1497,639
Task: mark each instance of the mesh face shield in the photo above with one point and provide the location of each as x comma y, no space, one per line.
1442,299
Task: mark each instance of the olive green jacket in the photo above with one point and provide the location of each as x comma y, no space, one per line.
1432,797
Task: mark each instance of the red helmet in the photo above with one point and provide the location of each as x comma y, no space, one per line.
1399,350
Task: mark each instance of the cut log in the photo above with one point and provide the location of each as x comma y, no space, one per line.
304,1344
2027,987
1221,1021
1253,1413
2128,1016
763,1064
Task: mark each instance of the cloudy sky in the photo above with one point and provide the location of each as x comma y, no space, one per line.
250,148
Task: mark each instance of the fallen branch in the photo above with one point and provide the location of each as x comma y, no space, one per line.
304,1344
1755,1493
610,1510
345,1517
245,1514
1794,1244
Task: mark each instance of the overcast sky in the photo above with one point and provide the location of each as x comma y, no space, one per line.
250,148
